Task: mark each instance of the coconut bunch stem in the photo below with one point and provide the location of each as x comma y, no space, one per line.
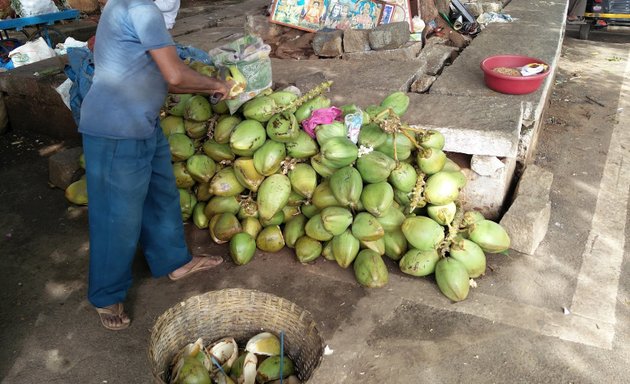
313,93
417,194
390,123
453,231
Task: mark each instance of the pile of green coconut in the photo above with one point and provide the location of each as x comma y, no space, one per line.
257,180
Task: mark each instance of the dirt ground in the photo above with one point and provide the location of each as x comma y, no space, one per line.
50,334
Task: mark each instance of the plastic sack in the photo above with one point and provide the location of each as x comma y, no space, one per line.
251,55
26,8
64,91
31,52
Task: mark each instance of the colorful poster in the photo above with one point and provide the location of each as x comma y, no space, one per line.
315,15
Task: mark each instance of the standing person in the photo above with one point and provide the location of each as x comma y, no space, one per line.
169,9
133,196
576,10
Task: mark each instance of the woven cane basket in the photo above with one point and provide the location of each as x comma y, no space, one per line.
237,313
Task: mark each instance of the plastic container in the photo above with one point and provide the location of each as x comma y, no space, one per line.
512,85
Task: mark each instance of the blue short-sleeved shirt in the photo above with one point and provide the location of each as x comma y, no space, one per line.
128,89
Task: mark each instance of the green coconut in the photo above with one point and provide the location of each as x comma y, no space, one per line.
305,110
224,128
441,188
247,137
431,160
269,157
339,151
273,194
377,246
315,229
443,214
346,184
469,254
403,177
218,152
175,103
252,226
202,191
201,167
276,219
283,128
366,227
307,249
199,217
432,139
452,279
225,183
321,166
309,210
270,239
377,198
242,248
336,219
226,226
197,108
270,369
370,270
181,146
327,251
302,147
397,101
391,219
419,263
172,124
423,233
76,193
345,248
303,179
182,177
375,166
187,202
372,136
490,236
196,129
222,204
247,174
403,147
283,98
325,132
395,244
294,229
260,109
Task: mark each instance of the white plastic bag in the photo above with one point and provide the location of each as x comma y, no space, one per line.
64,91
26,8
31,52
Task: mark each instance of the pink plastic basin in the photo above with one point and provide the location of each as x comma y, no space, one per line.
512,85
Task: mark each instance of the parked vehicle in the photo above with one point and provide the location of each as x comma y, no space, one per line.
603,13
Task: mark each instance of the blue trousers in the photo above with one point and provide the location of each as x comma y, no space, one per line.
133,200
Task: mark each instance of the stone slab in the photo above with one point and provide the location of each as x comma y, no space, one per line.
526,222
535,182
538,33
356,82
437,56
409,51
63,166
487,194
472,125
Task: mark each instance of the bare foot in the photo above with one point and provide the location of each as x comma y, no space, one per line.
198,263
113,317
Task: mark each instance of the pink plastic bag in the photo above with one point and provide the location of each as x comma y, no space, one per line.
321,116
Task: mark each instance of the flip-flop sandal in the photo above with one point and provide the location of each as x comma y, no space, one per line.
202,263
117,310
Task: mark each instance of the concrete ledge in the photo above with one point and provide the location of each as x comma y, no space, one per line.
475,126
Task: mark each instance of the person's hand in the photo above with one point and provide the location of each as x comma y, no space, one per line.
220,89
